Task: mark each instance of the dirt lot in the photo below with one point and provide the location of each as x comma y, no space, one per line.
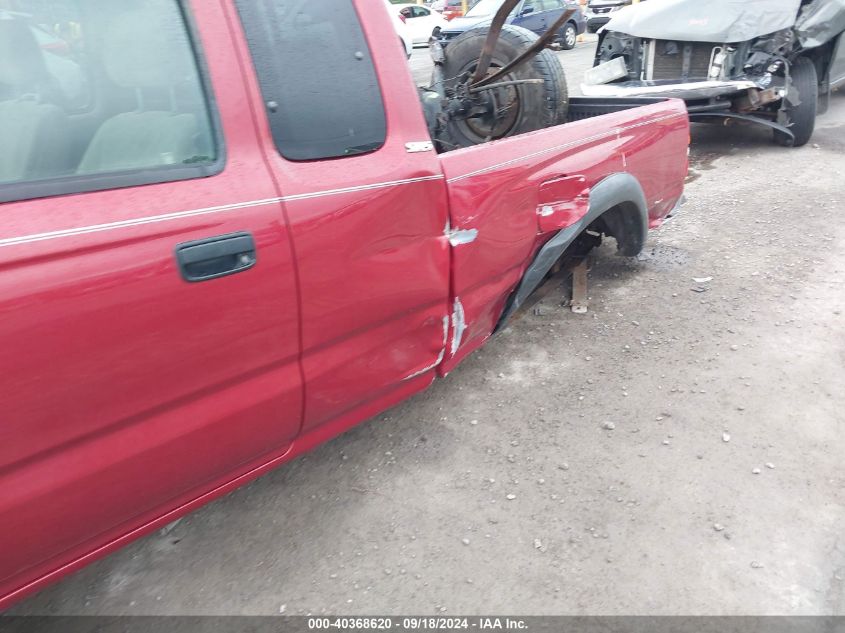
678,450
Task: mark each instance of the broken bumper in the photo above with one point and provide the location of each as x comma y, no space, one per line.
688,91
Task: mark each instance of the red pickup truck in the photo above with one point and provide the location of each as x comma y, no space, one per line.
226,238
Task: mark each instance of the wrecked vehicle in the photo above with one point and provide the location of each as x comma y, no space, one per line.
770,62
208,273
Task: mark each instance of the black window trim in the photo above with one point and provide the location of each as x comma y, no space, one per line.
89,183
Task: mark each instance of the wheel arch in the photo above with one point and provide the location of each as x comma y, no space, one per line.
618,208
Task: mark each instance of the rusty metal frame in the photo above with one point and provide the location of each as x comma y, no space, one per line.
479,79
492,38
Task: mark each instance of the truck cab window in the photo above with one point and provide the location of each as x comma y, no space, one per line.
98,87
316,76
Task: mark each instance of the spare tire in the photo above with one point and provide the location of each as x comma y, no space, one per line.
521,108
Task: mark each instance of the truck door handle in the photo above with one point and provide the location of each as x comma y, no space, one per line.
216,257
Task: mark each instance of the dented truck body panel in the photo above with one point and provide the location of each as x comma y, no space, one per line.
497,189
375,273
620,191
820,22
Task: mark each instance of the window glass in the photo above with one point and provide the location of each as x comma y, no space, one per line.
316,75
549,5
94,87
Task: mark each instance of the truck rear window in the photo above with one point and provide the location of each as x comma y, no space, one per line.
316,76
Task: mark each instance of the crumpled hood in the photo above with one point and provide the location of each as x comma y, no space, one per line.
820,22
720,21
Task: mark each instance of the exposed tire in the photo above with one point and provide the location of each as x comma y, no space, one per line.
522,108
801,103
568,36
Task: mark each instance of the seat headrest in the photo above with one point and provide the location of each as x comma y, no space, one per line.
147,48
21,60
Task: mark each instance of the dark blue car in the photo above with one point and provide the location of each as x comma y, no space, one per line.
534,15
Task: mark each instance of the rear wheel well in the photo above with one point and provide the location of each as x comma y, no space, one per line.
622,222
617,208
821,57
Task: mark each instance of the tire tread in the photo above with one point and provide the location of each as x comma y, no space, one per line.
802,118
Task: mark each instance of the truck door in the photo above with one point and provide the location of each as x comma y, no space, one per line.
364,196
149,334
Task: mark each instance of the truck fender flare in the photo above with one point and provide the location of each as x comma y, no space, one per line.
620,193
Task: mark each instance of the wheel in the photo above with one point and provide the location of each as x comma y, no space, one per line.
520,108
568,36
802,102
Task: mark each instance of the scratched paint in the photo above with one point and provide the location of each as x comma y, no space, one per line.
458,325
458,237
440,356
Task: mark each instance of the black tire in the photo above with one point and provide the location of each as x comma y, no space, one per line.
528,107
801,103
568,36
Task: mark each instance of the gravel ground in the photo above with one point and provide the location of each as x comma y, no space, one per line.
677,450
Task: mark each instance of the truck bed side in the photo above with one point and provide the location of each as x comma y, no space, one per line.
507,198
